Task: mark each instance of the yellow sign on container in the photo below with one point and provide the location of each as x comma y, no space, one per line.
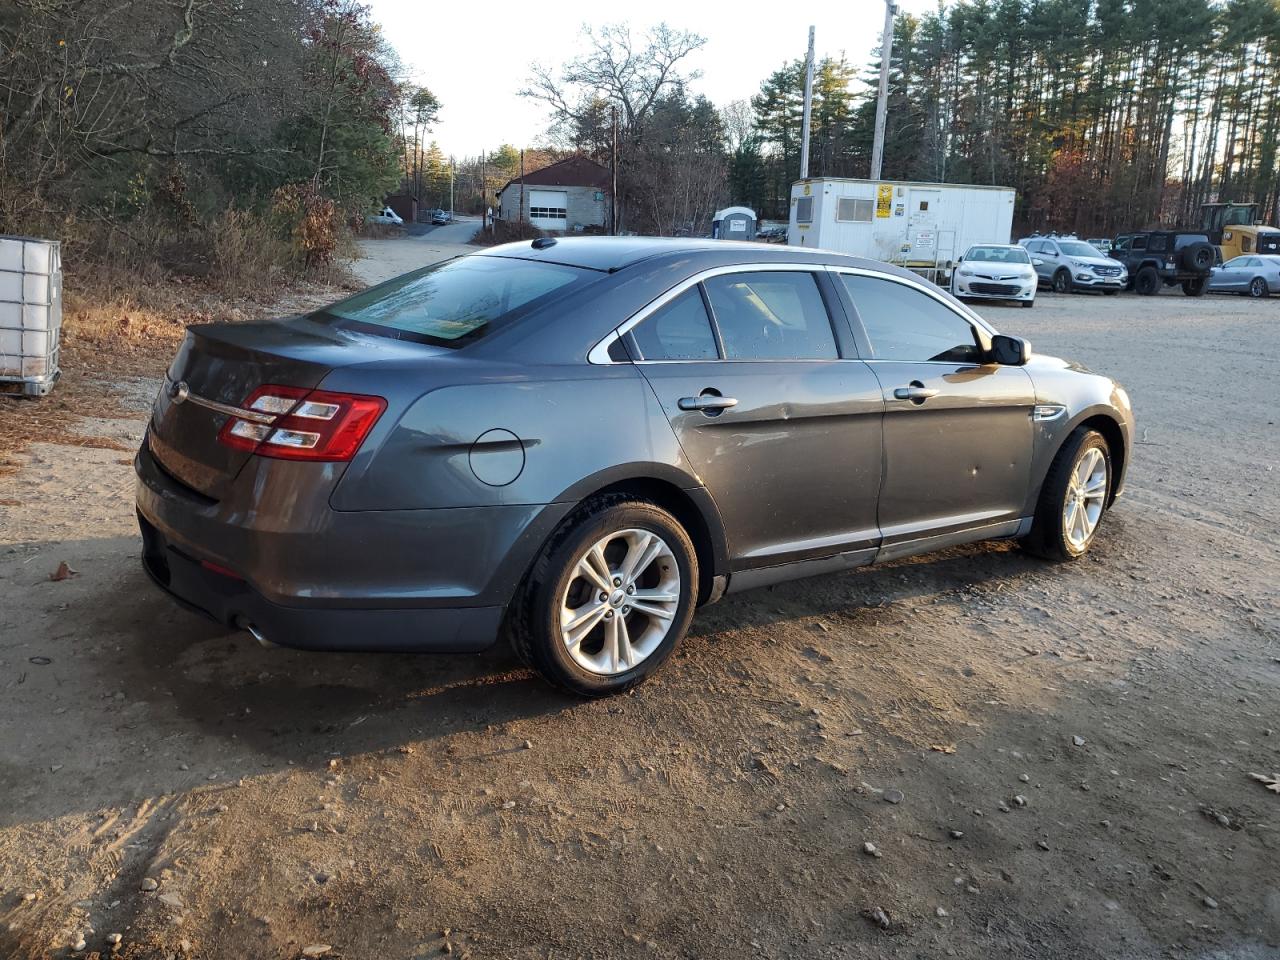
884,199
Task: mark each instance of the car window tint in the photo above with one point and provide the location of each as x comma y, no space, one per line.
679,330
907,324
771,315
1139,243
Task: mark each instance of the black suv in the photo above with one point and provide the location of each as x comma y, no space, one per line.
1166,256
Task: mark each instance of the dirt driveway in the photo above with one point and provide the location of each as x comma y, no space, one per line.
1047,762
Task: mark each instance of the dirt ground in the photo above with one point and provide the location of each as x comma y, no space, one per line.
1069,747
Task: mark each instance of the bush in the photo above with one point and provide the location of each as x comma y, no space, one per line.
507,231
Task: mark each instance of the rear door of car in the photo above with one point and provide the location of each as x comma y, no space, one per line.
757,372
957,430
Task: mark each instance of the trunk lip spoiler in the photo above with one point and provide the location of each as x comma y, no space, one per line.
180,392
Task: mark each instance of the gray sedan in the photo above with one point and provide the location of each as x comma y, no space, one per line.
575,442
1255,275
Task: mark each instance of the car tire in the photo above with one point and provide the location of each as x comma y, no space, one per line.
1195,288
1147,282
1258,288
1062,281
594,662
1058,532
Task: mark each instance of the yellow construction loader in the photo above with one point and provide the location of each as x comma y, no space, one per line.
1235,229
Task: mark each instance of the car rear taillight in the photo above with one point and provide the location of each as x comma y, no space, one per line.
308,424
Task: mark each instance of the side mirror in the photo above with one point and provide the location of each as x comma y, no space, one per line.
1010,351
960,259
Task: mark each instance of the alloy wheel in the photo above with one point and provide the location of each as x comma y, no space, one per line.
1258,288
1062,282
620,602
1086,497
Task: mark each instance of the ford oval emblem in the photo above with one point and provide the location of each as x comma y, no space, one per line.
179,391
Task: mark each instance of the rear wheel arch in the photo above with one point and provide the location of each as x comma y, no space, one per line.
666,487
691,509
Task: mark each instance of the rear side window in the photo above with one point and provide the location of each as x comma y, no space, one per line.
1158,243
455,302
906,324
771,315
680,330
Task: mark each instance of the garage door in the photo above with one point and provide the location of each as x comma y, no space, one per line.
549,209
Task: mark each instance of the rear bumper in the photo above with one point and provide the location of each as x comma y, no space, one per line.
235,604
308,576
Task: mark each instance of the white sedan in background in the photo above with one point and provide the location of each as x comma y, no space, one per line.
995,271
1254,275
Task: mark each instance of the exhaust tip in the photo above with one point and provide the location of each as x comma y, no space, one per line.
255,633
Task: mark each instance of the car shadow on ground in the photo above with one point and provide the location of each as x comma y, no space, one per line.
135,673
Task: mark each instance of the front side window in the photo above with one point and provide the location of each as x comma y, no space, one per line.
904,323
679,330
771,315
455,302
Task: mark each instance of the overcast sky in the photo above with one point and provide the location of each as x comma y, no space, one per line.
476,80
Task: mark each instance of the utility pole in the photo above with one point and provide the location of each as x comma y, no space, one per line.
613,173
882,99
452,170
808,110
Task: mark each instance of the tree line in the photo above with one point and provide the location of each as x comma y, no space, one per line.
1104,116
148,126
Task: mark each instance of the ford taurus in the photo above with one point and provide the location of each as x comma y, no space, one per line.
576,442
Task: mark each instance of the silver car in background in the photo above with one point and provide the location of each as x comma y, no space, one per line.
1255,275
995,271
1068,265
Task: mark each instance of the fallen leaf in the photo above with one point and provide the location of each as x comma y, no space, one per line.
63,572
1272,782
943,747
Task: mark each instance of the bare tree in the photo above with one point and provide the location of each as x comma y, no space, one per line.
616,70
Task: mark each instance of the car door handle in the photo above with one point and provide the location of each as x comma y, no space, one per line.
706,402
916,392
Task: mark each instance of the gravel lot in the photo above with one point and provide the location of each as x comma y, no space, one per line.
1070,747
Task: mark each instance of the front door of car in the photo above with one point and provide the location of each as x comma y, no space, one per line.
783,431
1231,275
957,429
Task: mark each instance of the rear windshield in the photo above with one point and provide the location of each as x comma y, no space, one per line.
998,255
453,303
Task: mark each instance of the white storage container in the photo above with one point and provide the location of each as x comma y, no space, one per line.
30,314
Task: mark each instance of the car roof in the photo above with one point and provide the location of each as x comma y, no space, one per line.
616,253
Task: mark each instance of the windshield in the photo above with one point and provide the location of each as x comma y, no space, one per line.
453,303
998,254
1075,248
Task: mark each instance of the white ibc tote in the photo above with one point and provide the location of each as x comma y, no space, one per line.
30,314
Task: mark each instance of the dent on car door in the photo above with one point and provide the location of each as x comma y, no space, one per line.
957,430
783,432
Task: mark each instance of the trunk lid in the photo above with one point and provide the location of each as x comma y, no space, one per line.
225,363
